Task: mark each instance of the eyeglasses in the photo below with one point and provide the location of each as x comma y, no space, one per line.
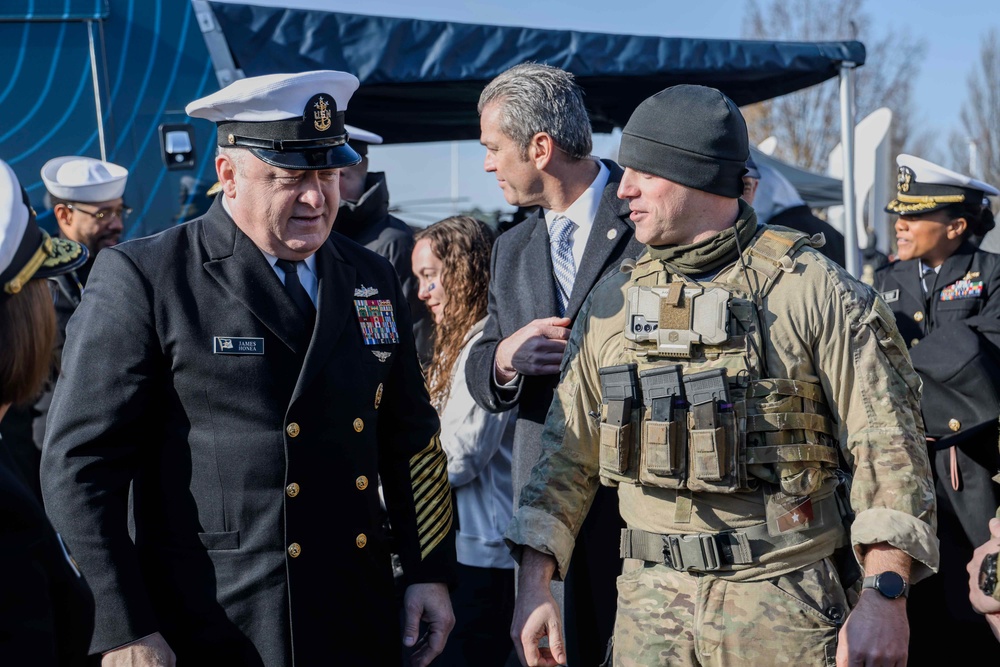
122,212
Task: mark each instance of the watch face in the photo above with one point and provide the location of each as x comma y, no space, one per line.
890,584
988,574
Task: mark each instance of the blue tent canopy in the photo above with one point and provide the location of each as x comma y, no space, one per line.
420,80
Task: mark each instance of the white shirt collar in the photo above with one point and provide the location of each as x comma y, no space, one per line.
584,209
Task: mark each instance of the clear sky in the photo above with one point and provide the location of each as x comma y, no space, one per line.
950,30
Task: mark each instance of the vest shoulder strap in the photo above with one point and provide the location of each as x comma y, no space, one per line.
773,251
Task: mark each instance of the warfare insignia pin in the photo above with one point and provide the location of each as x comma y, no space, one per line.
365,292
381,355
904,179
378,323
971,275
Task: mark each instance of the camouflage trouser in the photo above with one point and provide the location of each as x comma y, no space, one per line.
667,617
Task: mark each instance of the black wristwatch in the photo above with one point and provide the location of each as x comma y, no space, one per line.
988,576
889,584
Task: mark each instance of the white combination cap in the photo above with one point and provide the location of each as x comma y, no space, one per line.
924,187
84,179
295,121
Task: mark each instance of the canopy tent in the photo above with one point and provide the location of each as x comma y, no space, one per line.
817,190
420,80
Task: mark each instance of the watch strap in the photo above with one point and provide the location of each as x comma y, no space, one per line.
871,581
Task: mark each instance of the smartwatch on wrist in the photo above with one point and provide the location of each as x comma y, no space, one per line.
889,584
988,576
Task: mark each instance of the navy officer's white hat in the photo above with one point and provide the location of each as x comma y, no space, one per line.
84,179
360,139
294,121
924,187
26,252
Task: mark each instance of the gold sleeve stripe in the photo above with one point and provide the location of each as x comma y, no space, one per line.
431,495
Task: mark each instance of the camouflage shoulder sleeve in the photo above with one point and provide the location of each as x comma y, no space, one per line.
562,485
875,397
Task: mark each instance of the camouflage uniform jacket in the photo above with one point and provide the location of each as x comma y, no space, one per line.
822,326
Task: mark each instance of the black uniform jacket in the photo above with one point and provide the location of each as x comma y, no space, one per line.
254,447
954,339
46,609
944,349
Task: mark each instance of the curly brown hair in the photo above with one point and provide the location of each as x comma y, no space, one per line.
463,244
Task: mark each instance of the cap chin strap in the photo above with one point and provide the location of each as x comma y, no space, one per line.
15,284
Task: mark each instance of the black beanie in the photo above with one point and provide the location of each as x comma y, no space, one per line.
692,135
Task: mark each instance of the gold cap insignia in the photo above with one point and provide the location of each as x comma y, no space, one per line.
904,178
322,116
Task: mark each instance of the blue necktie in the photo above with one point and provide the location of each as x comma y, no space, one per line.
563,266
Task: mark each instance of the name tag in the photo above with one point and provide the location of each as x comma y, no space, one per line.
225,345
890,296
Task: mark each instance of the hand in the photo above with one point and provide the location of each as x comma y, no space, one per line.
876,633
536,613
432,604
534,349
980,601
151,651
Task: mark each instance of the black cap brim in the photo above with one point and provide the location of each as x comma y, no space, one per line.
333,157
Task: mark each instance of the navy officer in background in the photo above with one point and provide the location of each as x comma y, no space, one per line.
257,376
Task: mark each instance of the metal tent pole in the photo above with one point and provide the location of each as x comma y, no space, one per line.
851,249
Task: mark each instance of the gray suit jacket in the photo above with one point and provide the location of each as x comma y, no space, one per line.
522,289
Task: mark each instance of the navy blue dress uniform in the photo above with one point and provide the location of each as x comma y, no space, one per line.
950,319
253,437
46,608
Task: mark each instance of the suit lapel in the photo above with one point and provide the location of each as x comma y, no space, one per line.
607,232
241,268
537,270
335,300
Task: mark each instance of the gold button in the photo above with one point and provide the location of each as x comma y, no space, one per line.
954,424
361,541
359,425
913,343
292,430
294,550
918,316
292,490
362,483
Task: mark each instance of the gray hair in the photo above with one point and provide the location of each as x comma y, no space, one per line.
537,98
237,156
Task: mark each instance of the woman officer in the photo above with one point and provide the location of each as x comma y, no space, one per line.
46,609
945,294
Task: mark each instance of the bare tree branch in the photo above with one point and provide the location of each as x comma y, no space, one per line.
807,123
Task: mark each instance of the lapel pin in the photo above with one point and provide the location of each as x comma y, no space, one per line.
612,233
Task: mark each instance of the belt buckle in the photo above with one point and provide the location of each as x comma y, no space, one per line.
692,552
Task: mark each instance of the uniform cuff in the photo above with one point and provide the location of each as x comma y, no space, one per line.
531,527
903,531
